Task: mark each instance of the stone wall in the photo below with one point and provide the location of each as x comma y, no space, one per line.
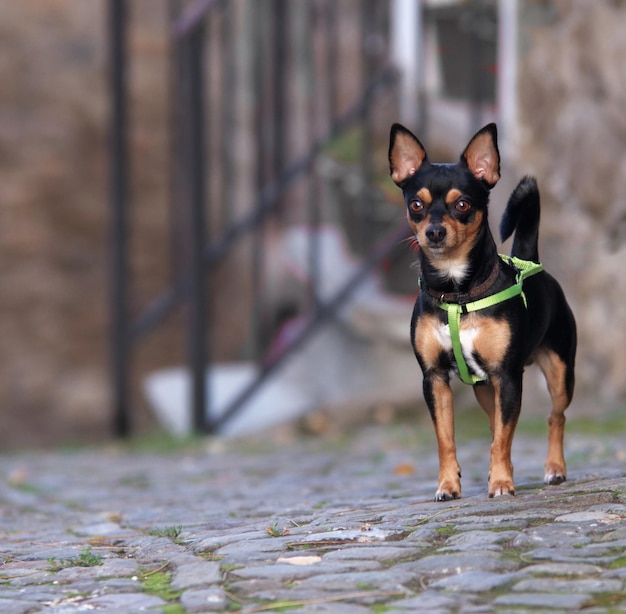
53,213
52,267
573,137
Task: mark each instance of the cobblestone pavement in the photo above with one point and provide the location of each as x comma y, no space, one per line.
347,526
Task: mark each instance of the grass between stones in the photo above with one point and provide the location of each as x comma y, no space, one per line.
613,602
447,530
158,582
85,559
172,532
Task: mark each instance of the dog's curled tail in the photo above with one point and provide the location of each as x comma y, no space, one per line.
522,216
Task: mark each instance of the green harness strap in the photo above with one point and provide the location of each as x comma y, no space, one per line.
524,268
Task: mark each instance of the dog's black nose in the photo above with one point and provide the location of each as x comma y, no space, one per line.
436,233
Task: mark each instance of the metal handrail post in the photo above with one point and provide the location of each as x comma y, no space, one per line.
118,236
194,138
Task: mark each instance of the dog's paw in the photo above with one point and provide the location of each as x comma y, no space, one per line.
449,489
554,474
442,495
498,488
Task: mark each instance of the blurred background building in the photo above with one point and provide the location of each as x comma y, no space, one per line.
272,116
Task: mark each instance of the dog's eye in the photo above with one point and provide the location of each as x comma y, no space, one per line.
462,206
416,206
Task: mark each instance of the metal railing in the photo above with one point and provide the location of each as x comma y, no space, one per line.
204,54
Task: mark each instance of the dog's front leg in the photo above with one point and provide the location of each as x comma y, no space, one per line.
508,398
438,397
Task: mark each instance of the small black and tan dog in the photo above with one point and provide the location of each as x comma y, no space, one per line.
481,315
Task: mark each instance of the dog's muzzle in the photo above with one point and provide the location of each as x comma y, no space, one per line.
436,233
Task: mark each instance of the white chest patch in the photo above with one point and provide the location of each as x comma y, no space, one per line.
452,269
467,336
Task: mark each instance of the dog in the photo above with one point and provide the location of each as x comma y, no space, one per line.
478,314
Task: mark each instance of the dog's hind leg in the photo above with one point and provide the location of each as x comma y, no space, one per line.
486,397
557,374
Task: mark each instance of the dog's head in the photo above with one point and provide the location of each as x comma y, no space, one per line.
446,203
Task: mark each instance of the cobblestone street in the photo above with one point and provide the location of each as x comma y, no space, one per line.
343,525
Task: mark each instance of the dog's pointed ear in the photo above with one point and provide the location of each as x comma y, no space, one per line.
406,154
482,156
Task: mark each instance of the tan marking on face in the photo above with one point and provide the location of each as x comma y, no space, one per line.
453,195
425,196
459,241
414,227
453,253
463,235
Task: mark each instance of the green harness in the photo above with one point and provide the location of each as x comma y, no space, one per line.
524,269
